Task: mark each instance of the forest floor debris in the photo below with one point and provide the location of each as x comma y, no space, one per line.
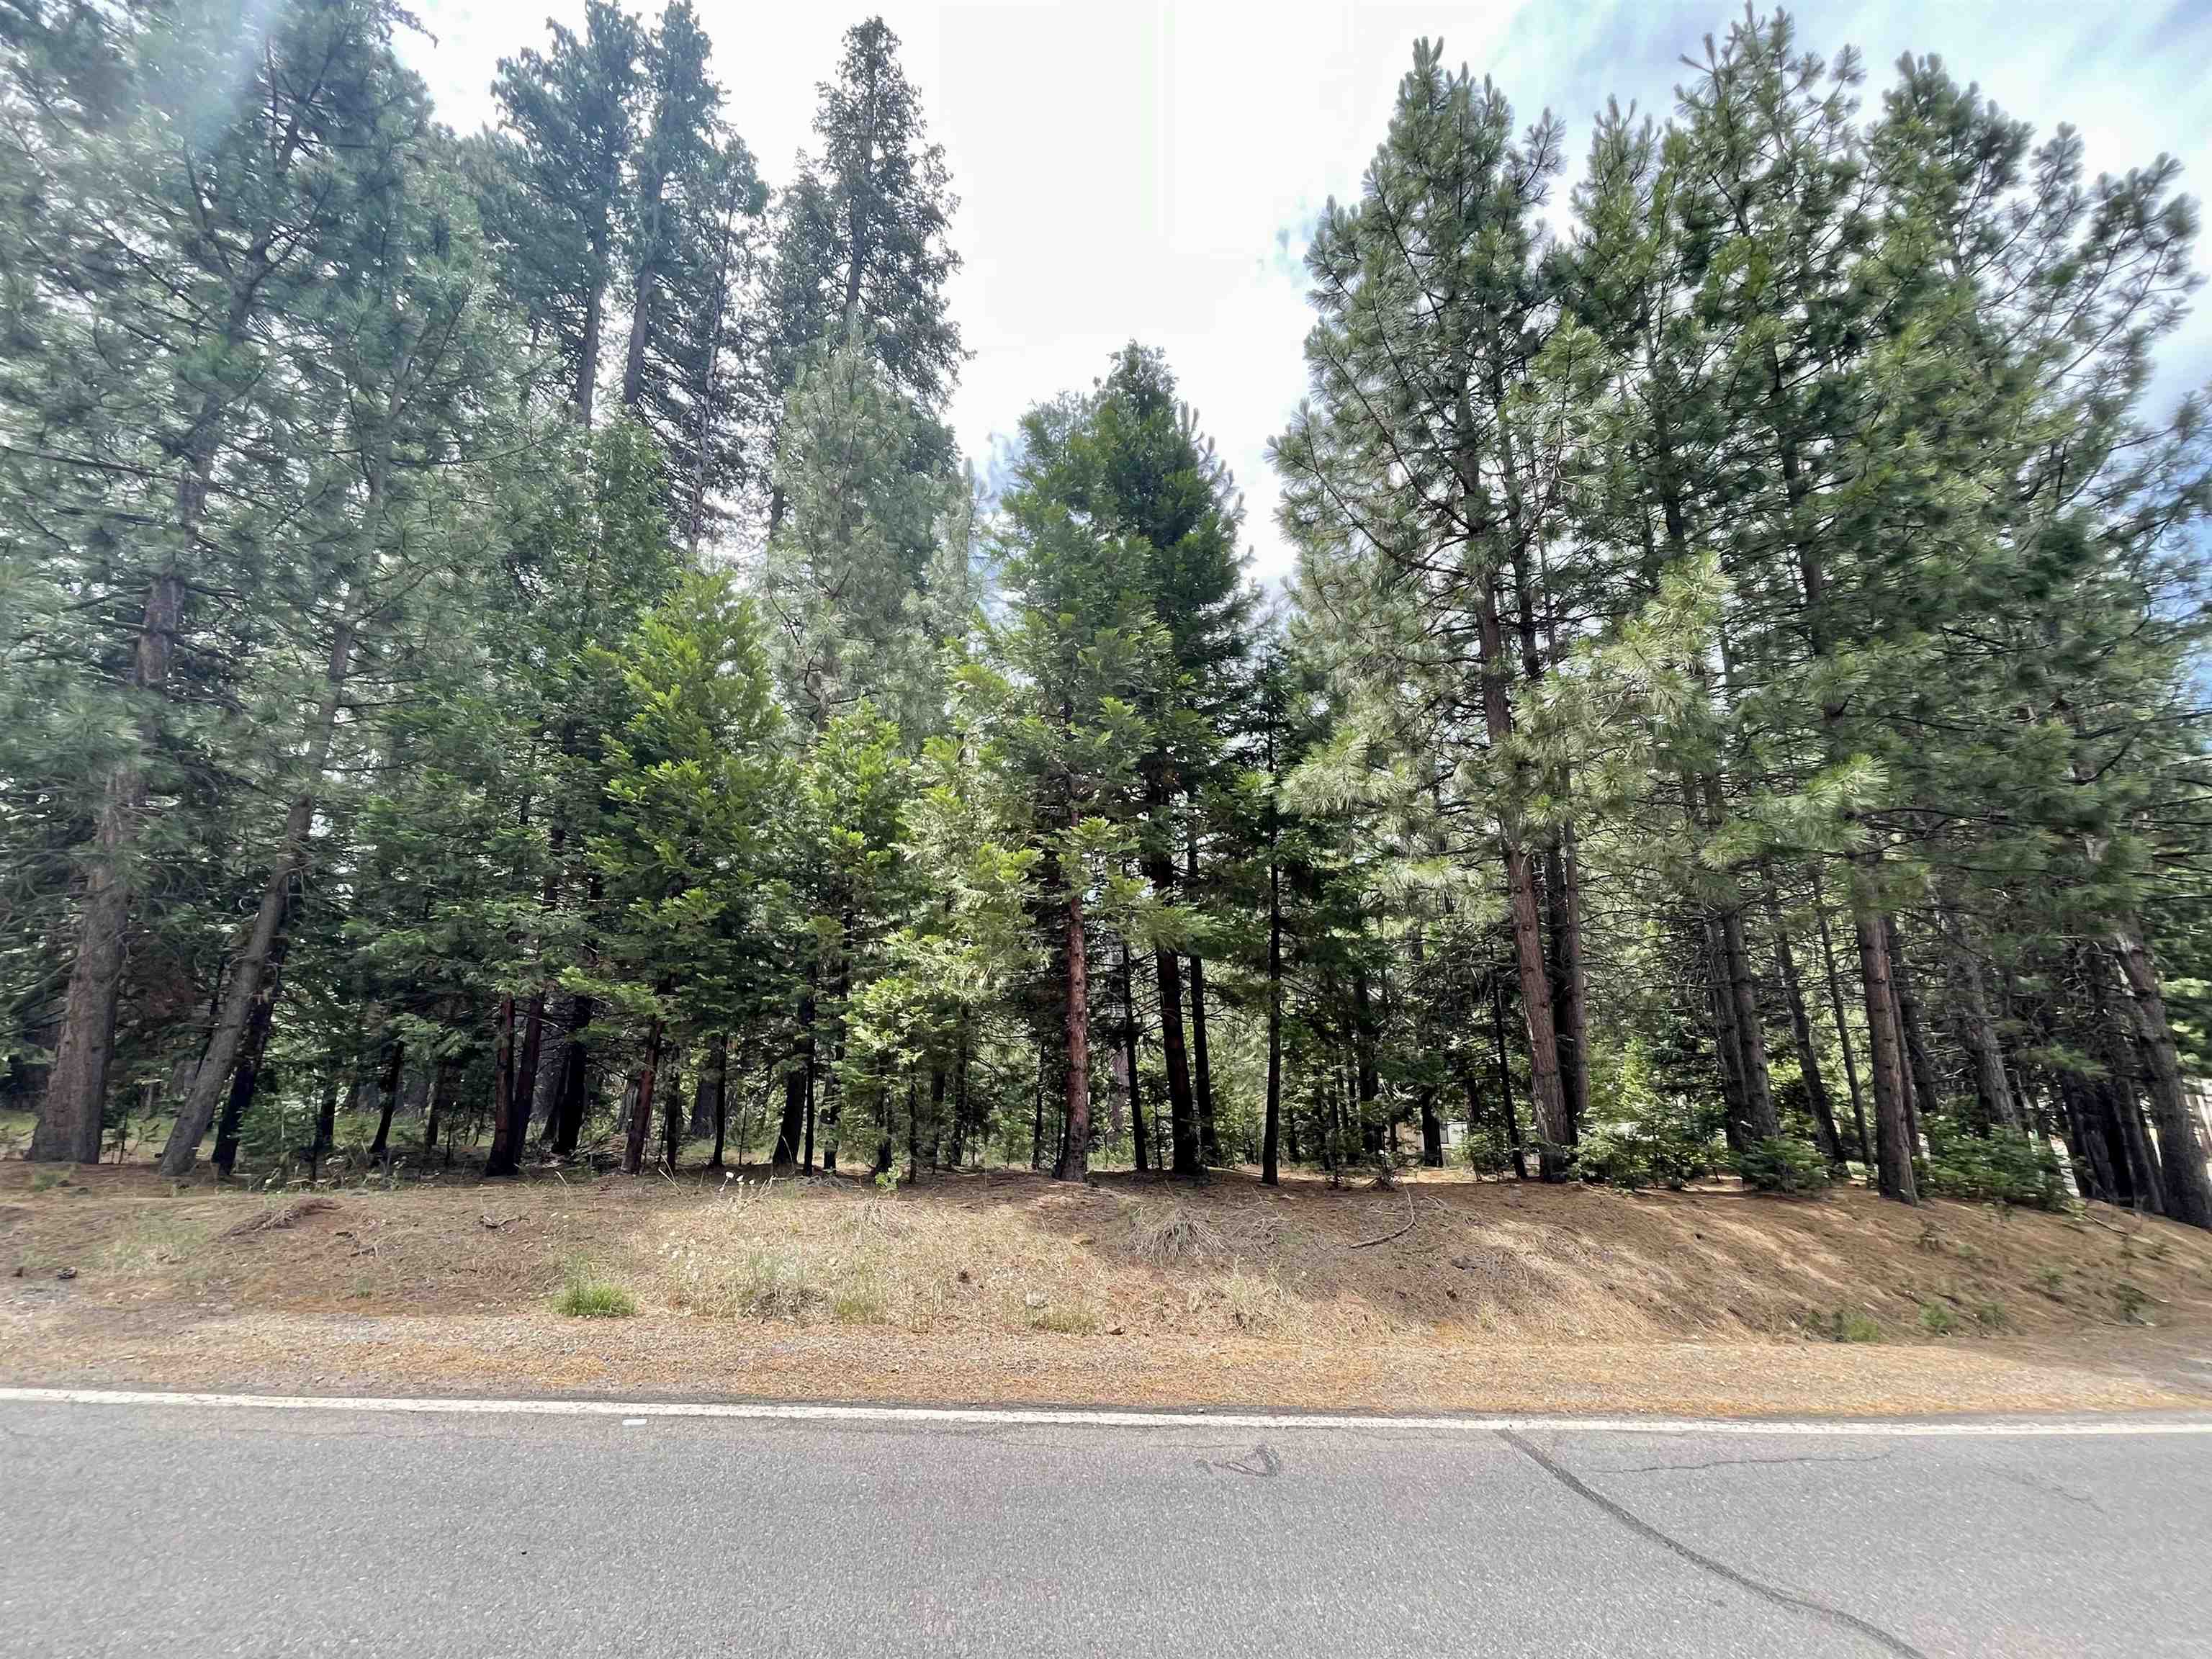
1008,1287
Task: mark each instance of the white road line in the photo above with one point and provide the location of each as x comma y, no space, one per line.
954,1416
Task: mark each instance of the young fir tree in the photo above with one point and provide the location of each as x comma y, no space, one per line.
1059,699
693,778
1134,467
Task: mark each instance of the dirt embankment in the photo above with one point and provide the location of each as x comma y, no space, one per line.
1446,1294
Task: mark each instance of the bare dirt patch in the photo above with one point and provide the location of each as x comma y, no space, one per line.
1008,1287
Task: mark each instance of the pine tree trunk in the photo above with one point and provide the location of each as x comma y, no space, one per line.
1893,1123
797,1088
671,1118
1801,1027
1209,1144
1182,1114
575,1078
1570,978
585,390
552,1070
507,1107
525,1068
2146,1184
633,385
714,1091
2108,1103
1505,1080
199,1107
2185,1185
640,1110
936,1119
1036,1119
1978,1032
1129,1052
1546,1092
1843,1025
326,1129
1761,1119
1728,1040
960,1118
1075,1150
72,1115
381,1146
430,1110
1369,1084
722,1120
1272,1131
251,1055
1927,1088
2087,1142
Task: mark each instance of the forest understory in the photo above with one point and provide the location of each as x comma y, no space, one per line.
1442,1293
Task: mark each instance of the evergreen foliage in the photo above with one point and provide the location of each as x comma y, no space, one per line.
494,632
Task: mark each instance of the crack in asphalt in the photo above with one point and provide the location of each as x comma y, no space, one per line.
2048,1488
1743,1463
1721,1569
1261,1461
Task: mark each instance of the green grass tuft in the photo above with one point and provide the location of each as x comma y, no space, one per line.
1850,1325
586,1296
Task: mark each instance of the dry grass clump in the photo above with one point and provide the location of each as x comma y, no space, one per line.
1255,1304
1165,1234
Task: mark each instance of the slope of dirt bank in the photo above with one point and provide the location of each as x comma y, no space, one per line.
1446,1294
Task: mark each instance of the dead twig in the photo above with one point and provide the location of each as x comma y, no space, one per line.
1384,1238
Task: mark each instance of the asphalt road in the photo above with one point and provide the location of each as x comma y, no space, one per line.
189,1531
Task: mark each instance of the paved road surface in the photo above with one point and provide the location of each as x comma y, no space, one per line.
184,1531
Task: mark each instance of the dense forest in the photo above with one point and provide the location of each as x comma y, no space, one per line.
501,658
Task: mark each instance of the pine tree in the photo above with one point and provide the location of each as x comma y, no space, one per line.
162,245
860,246
1427,290
552,185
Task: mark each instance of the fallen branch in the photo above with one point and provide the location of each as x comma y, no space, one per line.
285,1216
1395,1232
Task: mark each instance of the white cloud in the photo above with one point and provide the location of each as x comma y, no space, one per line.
1128,170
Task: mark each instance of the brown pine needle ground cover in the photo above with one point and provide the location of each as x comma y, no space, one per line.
1010,1287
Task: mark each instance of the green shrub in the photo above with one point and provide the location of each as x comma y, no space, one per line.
1639,1154
1995,1169
1937,1320
1485,1153
1991,1316
2133,1299
1782,1166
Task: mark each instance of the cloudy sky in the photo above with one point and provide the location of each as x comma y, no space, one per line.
1136,168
